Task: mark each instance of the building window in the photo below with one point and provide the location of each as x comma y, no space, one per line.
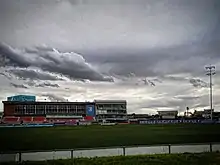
19,109
29,109
40,109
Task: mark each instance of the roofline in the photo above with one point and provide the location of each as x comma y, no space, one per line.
43,102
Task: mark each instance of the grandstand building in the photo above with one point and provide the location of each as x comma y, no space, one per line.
29,110
25,109
111,110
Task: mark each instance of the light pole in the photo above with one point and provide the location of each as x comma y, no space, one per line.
210,71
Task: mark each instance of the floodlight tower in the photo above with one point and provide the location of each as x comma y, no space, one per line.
210,71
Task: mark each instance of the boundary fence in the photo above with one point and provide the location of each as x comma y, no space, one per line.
20,156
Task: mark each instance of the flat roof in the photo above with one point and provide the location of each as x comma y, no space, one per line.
44,102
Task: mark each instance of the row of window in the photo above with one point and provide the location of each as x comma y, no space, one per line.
49,112
49,109
50,106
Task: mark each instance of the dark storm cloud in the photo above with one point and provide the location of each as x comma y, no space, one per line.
53,97
149,38
69,64
18,86
25,73
13,56
157,62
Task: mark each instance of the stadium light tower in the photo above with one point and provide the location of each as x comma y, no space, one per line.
210,71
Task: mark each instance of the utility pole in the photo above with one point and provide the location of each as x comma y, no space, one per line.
210,71
187,111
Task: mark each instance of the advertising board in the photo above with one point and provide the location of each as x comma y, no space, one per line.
108,123
85,123
168,121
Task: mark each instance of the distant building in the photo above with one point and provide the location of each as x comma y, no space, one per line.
111,110
198,114
21,98
168,114
139,116
206,113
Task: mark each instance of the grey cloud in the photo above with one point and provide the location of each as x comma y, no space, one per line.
155,62
3,61
149,38
176,99
13,56
26,73
18,86
198,83
175,78
45,84
69,64
138,81
53,97
124,47
179,104
3,74
182,97
145,81
146,23
204,101
195,82
8,76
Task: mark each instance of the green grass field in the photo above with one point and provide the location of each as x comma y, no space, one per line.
12,139
173,159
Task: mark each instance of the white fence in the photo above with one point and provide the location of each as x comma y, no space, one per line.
119,151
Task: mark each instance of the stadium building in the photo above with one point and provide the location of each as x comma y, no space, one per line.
111,110
25,109
30,111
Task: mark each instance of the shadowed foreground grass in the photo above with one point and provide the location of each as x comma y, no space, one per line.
173,159
65,137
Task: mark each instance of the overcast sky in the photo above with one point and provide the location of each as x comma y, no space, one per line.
151,53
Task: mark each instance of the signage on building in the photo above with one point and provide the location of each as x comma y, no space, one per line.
22,98
169,121
90,110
